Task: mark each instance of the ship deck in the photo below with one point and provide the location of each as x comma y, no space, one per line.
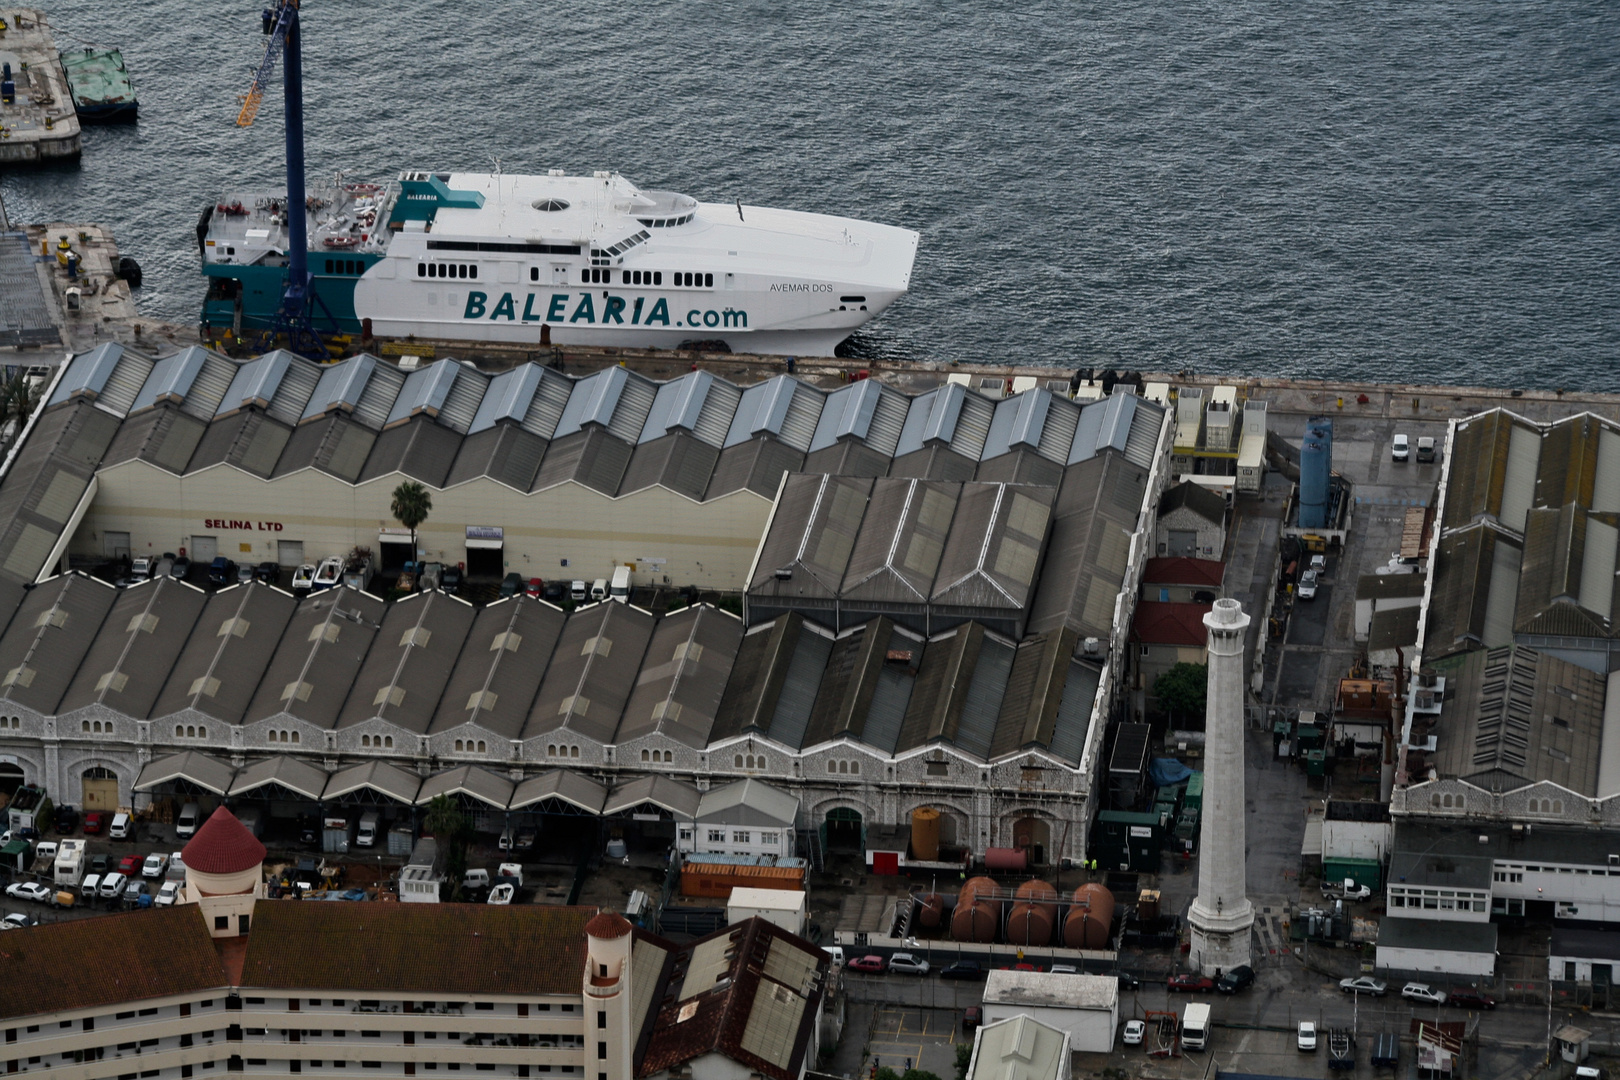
41,124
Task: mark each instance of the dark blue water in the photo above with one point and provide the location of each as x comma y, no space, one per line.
1423,191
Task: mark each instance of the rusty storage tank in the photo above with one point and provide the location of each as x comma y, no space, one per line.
976,915
1006,860
1033,918
930,909
1090,918
925,834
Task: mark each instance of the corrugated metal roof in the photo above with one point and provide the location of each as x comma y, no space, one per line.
630,412
931,418
508,397
204,770
502,662
295,774
777,806
848,684
681,800
404,674
895,681
902,536
1034,691
762,408
477,784
227,651
677,461
976,726
1072,728
1018,421
683,677
593,401
697,403
799,686
847,413
124,384
756,465
803,414
297,386
209,387
994,547
425,390
256,382
941,687
466,395
1519,482
812,534
171,378
592,672
378,776
48,638
757,677
506,454
377,399
566,785
87,373
136,647
313,668
973,426
339,386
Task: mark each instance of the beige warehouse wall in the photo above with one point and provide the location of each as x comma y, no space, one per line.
706,544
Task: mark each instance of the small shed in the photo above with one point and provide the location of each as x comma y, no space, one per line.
780,907
1574,1044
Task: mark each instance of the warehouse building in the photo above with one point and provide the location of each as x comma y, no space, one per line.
938,591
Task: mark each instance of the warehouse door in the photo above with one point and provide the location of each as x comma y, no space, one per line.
100,789
1183,544
290,553
203,549
11,778
395,551
115,545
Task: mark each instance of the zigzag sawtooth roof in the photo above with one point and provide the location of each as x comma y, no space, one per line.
505,655
683,677
531,427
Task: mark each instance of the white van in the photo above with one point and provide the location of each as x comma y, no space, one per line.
620,590
836,953
576,591
120,827
599,589
186,823
1195,1026
475,879
367,836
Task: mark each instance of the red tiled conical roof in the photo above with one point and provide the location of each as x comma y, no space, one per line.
222,846
608,925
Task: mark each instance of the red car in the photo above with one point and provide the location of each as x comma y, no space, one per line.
1190,983
534,588
1469,999
130,865
1020,967
872,965
94,822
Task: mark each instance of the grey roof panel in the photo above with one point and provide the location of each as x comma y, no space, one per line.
592,672
420,448
757,676
87,373
1073,726
209,387
756,465
377,399
139,642
769,804
897,552
313,668
683,676
813,531
507,398
493,684
1019,421
468,780
677,405
993,550
593,401
982,706
505,453
204,770
425,390
593,458
297,385
171,378
339,387
931,418
895,681
226,653
681,800
677,461
295,774
405,672
466,395
799,687
762,409
49,637
847,413
571,787
378,776
255,382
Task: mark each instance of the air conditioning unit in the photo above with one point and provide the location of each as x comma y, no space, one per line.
1092,646
784,573
1484,839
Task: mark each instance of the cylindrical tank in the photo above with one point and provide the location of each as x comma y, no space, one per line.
1006,860
925,834
1090,918
1315,464
929,909
1031,920
974,918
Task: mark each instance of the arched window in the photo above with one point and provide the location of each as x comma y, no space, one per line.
179,731
84,726
551,751
855,767
573,751
750,761
832,766
669,756
738,761
458,746
843,766
365,741
481,748
646,755
295,736
202,733
388,742
760,761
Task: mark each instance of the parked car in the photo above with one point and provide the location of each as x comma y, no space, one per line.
67,819
328,574
1348,890
1307,585
871,964
506,839
140,567
303,578
18,921
450,581
1135,1032
908,964
1470,999
155,865
535,588
511,584
177,868
1127,981
180,568
88,887
525,839
94,822
221,571
1399,449
29,890
136,891
1190,983
1063,969
1238,978
130,865
1425,448
577,592
112,885
972,1016
1417,991
100,864
1364,984
168,894
267,572
1306,1039
554,592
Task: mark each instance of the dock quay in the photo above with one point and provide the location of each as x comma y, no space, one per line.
38,122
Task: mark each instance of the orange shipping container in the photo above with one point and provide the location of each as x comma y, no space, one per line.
716,880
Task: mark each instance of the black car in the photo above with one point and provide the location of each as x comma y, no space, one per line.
450,580
222,571
267,572
180,568
552,591
963,969
67,819
1127,981
511,585
1239,978
308,835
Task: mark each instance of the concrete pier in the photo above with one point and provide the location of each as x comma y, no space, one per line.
39,124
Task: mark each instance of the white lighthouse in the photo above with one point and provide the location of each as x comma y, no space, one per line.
1221,917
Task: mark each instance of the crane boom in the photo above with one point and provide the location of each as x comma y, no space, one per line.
267,67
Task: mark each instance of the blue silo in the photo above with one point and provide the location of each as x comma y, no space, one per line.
1315,467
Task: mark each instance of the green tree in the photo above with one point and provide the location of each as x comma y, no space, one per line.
411,506
964,1058
19,397
1181,692
449,827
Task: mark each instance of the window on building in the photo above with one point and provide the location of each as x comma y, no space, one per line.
717,836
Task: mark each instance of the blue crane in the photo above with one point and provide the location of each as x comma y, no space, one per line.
293,318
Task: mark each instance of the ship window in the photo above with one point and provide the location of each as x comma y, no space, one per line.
421,269
534,273
708,281
658,277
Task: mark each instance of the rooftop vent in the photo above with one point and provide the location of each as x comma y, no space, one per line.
784,573
550,206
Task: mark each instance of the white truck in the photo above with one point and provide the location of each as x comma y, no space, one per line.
367,834
69,869
1195,1026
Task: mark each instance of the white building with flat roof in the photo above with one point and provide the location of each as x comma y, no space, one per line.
1084,1007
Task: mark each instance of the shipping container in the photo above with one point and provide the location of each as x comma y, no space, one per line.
716,880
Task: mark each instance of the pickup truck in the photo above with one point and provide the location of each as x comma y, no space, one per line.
1345,890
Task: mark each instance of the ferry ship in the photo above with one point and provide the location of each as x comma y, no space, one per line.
573,260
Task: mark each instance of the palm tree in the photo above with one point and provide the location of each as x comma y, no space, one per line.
18,400
411,507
